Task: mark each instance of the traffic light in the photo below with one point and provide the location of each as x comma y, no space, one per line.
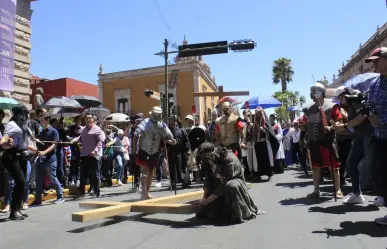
207,48
152,94
242,45
148,92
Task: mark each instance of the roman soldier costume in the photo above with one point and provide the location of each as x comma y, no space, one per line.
150,132
318,118
229,128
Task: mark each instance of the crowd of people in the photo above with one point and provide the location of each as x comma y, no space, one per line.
344,140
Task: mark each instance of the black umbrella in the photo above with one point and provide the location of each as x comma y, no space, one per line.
86,100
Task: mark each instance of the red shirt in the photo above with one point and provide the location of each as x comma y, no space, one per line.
336,115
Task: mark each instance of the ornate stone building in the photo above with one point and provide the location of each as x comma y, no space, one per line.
22,57
355,65
124,91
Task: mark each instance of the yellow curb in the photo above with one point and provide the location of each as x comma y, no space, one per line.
66,192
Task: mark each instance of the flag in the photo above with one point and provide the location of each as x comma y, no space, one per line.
194,109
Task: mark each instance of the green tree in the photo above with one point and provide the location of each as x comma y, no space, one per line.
282,73
302,100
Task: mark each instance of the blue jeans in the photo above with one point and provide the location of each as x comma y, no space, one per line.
9,184
47,166
120,163
362,150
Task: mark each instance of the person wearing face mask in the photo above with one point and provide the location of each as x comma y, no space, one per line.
17,142
150,132
229,129
317,122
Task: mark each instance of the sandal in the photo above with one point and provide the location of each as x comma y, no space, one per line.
339,194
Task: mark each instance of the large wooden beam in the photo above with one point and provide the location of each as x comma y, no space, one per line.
98,204
165,204
220,94
163,208
101,213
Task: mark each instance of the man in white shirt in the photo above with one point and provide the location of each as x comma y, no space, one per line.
296,144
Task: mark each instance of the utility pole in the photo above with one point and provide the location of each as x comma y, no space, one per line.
209,48
165,99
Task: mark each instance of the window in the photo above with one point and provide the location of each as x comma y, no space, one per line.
122,99
123,106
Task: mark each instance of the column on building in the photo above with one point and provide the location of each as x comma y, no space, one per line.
22,57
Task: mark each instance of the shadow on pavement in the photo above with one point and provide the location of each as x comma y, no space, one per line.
189,223
294,184
304,201
343,209
349,228
113,221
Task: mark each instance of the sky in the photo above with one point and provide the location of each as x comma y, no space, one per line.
72,38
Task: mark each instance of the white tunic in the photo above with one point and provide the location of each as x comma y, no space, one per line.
281,153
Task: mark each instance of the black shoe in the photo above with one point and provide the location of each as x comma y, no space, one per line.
22,214
15,216
98,194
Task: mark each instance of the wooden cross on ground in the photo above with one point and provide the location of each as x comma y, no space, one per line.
170,204
221,93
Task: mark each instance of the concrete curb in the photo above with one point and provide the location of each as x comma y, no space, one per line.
66,192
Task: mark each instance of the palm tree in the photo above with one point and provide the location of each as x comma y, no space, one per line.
283,72
302,100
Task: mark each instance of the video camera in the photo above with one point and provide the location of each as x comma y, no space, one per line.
367,107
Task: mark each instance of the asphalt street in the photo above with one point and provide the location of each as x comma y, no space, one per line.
291,221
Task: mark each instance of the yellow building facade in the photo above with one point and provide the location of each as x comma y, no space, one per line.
124,91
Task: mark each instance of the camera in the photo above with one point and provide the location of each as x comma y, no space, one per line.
366,107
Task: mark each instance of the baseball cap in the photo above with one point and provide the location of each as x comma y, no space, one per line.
340,90
376,54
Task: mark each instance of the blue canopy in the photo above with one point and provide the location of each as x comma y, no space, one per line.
263,103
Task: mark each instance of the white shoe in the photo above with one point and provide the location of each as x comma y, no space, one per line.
159,185
120,183
379,202
78,183
72,183
354,199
